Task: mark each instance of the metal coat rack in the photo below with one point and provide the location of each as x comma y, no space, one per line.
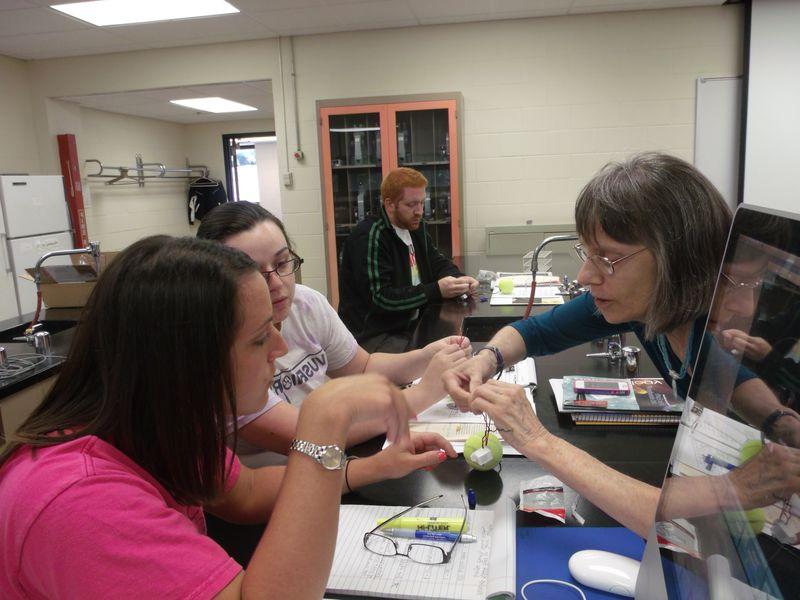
196,175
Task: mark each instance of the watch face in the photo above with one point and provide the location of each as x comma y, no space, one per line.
331,458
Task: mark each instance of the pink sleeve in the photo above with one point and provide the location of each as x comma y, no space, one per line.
233,471
114,536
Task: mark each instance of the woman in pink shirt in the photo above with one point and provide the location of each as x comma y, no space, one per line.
102,489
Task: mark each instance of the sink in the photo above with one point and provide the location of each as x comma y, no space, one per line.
481,329
51,326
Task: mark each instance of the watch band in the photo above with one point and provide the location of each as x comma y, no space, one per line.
498,357
769,423
330,457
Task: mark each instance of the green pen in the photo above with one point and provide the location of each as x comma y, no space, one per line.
439,524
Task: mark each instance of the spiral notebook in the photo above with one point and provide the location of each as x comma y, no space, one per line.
624,419
621,410
483,570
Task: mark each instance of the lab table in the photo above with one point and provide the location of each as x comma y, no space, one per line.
639,451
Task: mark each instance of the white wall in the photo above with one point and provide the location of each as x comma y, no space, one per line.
121,214
269,184
547,101
772,147
18,149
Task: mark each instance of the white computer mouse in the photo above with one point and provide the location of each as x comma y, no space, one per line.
605,571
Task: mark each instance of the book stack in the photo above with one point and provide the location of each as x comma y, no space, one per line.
636,401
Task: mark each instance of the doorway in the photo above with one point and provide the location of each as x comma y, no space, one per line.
251,169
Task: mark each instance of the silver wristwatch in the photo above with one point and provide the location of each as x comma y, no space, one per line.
331,457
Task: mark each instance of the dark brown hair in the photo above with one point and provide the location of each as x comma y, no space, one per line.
668,206
150,368
226,220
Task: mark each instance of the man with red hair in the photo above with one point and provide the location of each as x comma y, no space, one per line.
390,267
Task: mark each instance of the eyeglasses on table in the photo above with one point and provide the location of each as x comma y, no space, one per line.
427,554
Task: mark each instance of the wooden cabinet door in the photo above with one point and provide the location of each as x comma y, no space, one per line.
426,139
360,144
355,150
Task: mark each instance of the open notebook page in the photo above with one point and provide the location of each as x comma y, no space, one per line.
356,570
455,426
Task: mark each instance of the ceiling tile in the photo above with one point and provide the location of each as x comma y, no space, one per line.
425,9
25,26
61,44
584,6
36,20
532,7
291,21
198,31
377,14
15,4
225,90
155,103
264,86
262,5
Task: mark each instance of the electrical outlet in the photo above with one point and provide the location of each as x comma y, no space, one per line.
288,179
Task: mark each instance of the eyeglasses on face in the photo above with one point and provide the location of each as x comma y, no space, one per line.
426,554
284,268
606,265
742,285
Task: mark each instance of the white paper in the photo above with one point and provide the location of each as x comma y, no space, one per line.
356,570
545,294
502,581
524,279
704,431
455,426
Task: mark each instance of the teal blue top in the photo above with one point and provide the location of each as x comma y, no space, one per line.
579,321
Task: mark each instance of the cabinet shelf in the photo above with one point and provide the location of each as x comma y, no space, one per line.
363,166
425,163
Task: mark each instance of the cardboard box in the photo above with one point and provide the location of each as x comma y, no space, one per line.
69,286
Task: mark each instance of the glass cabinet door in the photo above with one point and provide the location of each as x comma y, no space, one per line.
356,169
423,143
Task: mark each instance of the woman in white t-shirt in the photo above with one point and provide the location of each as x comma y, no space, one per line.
320,346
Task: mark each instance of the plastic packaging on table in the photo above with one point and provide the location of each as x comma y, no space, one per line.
544,496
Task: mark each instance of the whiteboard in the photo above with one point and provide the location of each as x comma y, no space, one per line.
773,96
716,133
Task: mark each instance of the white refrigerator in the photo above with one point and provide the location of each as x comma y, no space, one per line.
35,220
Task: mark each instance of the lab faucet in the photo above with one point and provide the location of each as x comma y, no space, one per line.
616,351
535,267
92,249
545,242
613,350
40,339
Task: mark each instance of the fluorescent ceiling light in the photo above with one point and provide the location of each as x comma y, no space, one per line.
124,12
214,105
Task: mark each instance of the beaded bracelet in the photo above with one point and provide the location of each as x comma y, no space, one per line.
346,467
498,357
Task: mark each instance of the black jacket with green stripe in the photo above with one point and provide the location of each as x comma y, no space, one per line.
375,291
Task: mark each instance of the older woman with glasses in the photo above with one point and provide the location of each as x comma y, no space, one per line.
319,345
653,232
